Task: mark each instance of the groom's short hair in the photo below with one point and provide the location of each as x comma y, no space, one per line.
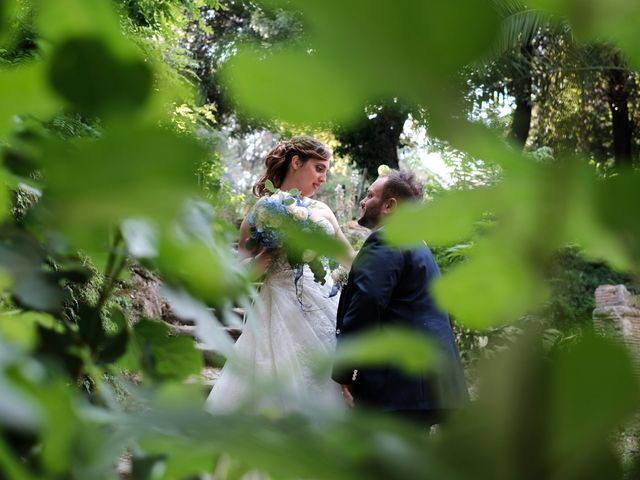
402,185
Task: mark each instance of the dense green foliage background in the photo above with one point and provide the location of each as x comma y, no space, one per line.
114,119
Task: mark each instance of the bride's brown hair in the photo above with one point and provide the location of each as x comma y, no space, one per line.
279,159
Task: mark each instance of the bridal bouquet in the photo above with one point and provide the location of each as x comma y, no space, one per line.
271,219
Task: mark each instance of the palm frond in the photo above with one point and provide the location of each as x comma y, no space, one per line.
521,27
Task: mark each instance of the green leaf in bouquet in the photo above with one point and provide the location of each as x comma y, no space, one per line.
318,270
269,186
294,192
289,201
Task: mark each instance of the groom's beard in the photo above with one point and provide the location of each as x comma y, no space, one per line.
370,218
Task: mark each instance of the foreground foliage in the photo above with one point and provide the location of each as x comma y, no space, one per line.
90,128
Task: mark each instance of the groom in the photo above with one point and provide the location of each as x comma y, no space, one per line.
389,287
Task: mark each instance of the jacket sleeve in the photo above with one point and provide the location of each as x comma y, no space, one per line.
374,278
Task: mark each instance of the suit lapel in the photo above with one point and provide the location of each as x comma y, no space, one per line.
345,297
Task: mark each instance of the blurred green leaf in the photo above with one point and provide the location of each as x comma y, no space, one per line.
8,8
10,465
300,239
89,76
24,91
413,50
146,468
164,356
613,196
34,285
180,457
19,328
17,409
262,87
94,184
114,345
207,273
493,287
60,427
415,354
600,20
58,20
140,237
595,388
446,220
5,202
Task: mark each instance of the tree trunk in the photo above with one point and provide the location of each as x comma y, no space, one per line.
375,140
619,104
521,123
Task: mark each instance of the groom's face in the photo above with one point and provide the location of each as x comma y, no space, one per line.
371,206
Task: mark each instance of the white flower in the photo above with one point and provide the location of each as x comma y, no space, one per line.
299,213
280,196
483,341
335,275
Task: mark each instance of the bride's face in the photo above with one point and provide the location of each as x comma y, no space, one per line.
310,175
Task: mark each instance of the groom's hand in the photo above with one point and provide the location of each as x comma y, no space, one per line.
346,394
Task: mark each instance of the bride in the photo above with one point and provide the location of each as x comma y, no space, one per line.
292,323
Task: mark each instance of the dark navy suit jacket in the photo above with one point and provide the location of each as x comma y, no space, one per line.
389,287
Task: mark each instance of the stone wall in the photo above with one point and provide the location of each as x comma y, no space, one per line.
617,314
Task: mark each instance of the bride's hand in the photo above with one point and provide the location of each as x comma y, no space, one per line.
263,259
347,395
258,263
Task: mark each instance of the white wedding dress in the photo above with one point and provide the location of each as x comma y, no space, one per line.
282,360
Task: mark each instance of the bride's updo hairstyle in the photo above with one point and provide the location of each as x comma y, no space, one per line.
278,160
